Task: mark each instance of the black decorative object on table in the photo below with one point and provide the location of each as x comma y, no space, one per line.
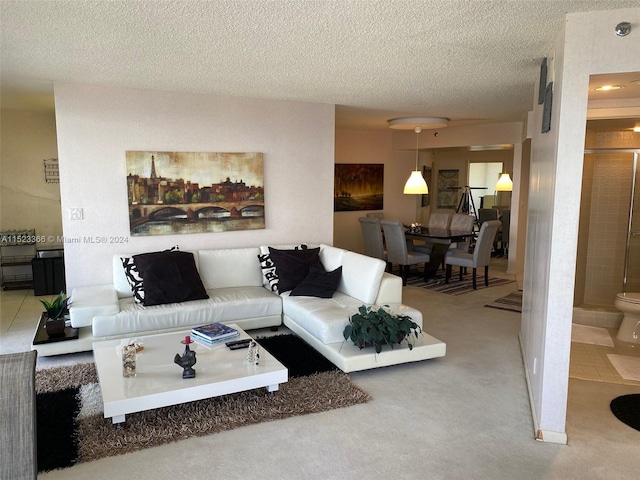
187,360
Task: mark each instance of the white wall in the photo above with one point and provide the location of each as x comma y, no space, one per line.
26,200
586,46
96,125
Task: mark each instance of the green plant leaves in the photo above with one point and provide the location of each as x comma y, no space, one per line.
56,308
379,327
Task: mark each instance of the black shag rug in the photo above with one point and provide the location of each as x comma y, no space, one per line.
627,409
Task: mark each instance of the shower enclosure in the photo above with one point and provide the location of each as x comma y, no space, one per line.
608,256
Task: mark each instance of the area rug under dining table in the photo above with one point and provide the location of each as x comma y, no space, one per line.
72,428
455,286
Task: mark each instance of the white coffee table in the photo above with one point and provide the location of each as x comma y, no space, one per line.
159,383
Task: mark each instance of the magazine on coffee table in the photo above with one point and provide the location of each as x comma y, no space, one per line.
214,332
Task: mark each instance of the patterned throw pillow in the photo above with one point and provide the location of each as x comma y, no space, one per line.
134,278
269,271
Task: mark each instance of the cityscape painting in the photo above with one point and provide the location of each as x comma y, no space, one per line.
358,186
194,192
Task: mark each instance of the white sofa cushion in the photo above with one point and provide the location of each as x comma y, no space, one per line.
324,318
361,275
225,268
223,305
86,302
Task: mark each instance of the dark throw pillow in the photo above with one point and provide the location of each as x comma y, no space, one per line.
169,277
318,283
292,266
134,278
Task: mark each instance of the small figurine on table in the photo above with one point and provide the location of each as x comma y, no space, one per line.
253,354
187,360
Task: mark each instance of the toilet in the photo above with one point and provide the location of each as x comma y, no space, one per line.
629,305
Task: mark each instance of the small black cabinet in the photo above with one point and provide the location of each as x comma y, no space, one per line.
48,275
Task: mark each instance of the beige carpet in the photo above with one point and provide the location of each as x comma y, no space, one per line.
627,367
591,335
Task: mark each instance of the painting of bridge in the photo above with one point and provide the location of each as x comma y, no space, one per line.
194,192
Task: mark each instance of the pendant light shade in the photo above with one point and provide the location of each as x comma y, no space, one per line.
416,184
504,183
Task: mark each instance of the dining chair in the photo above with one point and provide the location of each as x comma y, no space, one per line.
481,256
485,214
378,215
372,238
503,234
461,222
399,250
439,220
436,220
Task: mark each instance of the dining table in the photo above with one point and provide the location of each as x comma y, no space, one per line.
440,240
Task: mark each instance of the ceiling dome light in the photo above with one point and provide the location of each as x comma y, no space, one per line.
608,88
410,123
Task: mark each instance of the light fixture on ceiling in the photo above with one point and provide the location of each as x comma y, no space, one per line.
410,123
504,183
608,88
416,184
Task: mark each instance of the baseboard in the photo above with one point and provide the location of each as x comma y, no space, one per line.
540,435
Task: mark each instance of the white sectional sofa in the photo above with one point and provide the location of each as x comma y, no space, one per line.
239,292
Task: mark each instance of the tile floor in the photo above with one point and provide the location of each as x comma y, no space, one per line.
590,362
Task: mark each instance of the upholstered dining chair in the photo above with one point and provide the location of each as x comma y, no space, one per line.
436,220
503,234
439,220
378,215
372,238
399,250
461,222
480,257
485,214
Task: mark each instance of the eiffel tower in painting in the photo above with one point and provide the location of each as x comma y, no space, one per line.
153,167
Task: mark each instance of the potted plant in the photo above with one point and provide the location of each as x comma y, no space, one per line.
54,314
377,327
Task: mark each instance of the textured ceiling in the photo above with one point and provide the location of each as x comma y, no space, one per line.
473,61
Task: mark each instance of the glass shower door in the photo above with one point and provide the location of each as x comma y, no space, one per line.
632,257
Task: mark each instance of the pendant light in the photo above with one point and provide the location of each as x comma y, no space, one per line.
504,183
416,184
